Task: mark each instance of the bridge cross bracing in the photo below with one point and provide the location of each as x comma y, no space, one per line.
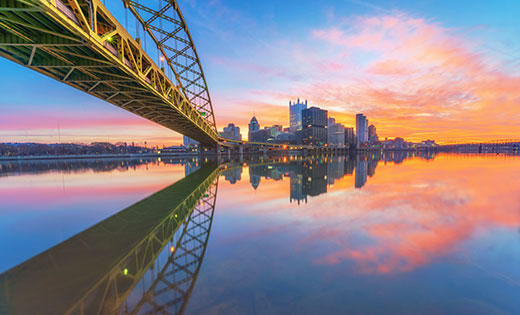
80,43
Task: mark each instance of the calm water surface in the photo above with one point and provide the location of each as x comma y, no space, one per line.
361,234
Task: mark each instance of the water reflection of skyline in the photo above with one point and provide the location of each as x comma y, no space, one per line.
311,177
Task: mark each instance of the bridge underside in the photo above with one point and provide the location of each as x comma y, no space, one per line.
86,48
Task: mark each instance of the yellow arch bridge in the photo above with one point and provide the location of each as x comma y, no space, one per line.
80,43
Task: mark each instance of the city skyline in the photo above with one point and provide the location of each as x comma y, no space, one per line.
416,69
285,157
313,126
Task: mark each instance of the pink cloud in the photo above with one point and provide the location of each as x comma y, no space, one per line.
411,76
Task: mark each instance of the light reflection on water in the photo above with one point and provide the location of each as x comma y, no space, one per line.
358,234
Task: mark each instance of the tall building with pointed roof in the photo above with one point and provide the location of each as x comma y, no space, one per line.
253,126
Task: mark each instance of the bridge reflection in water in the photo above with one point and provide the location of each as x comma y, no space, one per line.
143,259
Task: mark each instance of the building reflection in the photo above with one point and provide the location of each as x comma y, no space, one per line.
361,173
335,169
311,177
144,259
191,166
254,178
297,194
233,175
314,177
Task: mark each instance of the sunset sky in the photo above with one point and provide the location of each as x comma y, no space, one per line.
443,70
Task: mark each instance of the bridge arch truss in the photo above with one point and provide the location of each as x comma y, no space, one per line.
80,43
165,24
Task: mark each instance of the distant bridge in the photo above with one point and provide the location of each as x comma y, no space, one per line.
487,142
490,146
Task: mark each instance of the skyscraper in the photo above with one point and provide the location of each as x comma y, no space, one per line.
314,121
372,134
350,137
362,128
231,132
295,111
335,134
253,126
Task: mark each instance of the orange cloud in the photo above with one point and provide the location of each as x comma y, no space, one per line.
425,81
411,76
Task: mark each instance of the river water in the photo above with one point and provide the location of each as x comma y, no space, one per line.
367,234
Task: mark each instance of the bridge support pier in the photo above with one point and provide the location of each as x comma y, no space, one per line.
241,152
